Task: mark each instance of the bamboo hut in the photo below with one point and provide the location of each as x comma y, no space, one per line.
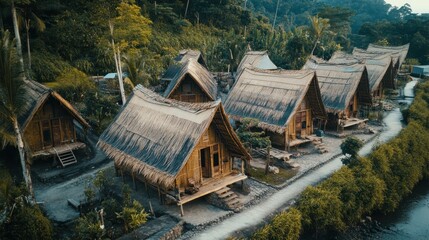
256,59
182,58
344,89
286,103
174,145
192,83
380,69
48,123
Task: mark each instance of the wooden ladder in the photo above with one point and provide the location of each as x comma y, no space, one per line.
66,157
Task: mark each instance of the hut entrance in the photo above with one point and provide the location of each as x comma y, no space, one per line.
51,133
210,161
46,134
205,162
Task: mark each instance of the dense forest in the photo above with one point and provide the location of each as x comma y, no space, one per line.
62,35
66,42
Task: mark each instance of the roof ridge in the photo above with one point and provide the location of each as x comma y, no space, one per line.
186,106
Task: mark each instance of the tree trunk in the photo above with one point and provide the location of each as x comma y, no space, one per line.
17,37
117,56
27,30
314,47
21,150
275,16
186,10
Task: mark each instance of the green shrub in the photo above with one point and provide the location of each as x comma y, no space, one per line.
132,216
88,227
321,210
285,225
350,148
28,223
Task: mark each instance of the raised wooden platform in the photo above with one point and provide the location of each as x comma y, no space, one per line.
212,185
297,142
352,122
60,149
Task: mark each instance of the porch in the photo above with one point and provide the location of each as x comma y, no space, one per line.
210,186
350,122
53,151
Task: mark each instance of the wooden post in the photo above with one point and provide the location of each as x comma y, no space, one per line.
151,208
242,165
180,204
267,164
182,213
122,175
159,194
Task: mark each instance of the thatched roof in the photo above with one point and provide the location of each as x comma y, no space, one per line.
202,77
182,58
273,96
37,95
379,67
339,82
256,59
154,137
401,50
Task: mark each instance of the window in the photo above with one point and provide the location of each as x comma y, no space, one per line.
215,159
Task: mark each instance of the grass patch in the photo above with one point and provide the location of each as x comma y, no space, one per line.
271,178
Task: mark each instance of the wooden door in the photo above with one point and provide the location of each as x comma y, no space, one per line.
46,133
216,160
205,162
56,131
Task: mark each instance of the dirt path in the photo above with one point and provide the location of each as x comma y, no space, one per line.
53,198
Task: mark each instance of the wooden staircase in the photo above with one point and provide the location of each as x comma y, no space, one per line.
228,199
66,157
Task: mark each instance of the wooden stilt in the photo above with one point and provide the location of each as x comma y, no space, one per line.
159,195
242,166
181,205
181,210
151,209
122,175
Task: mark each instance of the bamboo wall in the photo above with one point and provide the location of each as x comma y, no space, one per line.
295,127
51,126
189,91
193,168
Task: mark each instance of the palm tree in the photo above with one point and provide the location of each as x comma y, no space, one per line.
134,63
17,36
318,27
12,100
30,19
